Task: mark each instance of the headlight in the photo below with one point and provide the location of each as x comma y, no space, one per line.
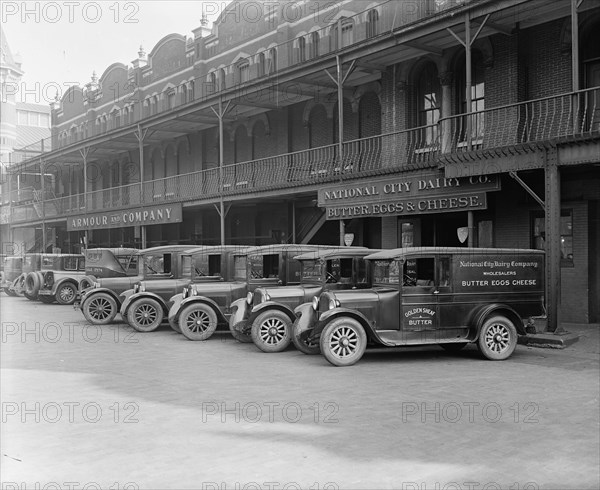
96,285
333,303
136,288
249,297
315,303
185,293
193,292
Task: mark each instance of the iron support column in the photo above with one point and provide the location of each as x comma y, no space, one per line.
553,252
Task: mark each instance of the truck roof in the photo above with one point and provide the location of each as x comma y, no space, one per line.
289,247
338,252
116,250
220,249
408,251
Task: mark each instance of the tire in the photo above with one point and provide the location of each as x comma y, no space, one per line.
301,345
100,308
32,285
272,331
9,292
145,314
198,321
343,341
16,283
84,284
454,346
48,300
497,338
66,293
238,335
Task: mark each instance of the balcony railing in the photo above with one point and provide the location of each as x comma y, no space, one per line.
550,119
572,115
387,153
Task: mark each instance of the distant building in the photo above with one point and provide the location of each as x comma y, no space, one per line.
23,126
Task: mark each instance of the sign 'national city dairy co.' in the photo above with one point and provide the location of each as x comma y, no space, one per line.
409,194
151,215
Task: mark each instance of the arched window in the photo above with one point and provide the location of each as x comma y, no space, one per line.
242,71
272,60
347,33
222,81
171,98
301,49
191,92
211,83
372,23
477,120
428,102
260,60
116,117
315,39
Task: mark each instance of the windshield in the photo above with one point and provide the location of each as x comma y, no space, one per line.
263,266
239,267
157,264
312,271
207,266
386,272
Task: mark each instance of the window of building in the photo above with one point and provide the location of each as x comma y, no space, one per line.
428,97
372,23
222,77
272,60
171,99
347,33
477,119
301,49
566,235
44,120
315,39
243,71
22,118
261,64
212,83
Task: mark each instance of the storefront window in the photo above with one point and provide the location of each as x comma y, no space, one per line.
566,235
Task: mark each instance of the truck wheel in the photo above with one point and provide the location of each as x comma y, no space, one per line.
497,338
65,295
343,341
145,315
100,308
46,299
84,284
236,332
272,331
309,348
198,322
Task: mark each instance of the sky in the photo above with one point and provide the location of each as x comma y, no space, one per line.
61,43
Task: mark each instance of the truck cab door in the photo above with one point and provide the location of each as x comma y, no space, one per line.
419,318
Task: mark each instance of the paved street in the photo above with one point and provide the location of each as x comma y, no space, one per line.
111,408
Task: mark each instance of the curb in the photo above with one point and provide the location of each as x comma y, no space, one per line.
549,340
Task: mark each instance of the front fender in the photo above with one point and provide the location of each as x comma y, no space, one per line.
88,293
329,315
271,305
240,311
306,319
130,297
59,283
176,309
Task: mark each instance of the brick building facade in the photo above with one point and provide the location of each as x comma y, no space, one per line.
418,155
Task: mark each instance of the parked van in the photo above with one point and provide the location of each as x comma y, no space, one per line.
430,295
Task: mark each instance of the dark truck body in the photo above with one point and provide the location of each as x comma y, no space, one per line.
203,308
267,314
431,295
